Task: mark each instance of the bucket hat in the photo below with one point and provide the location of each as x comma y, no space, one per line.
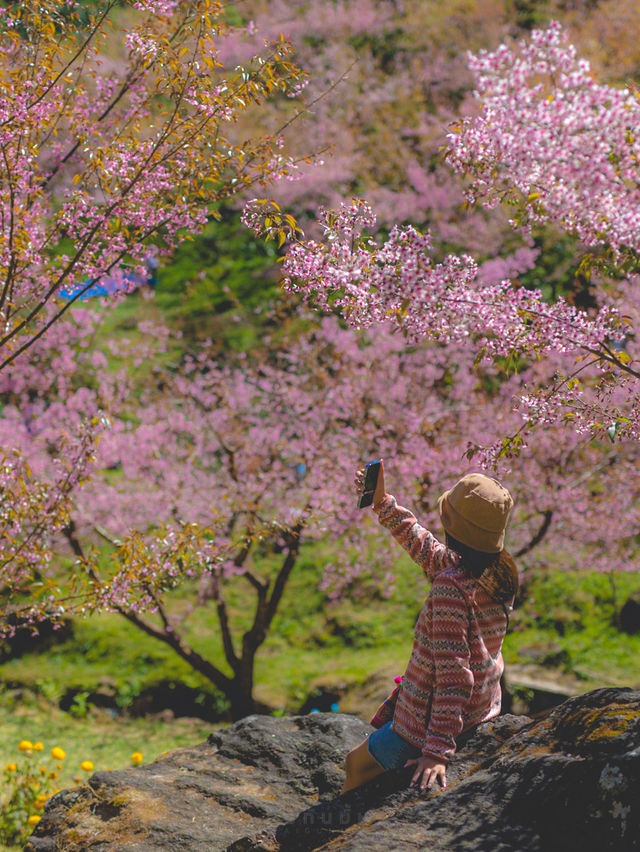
476,511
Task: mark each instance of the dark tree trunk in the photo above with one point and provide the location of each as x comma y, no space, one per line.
237,688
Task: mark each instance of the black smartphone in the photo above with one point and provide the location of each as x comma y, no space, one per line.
371,473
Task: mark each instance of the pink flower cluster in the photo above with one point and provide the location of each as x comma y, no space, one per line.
119,155
157,7
400,281
550,135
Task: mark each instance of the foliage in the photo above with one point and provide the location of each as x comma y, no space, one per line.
113,150
219,286
28,784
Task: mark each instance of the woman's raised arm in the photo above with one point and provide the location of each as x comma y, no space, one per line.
425,550
421,545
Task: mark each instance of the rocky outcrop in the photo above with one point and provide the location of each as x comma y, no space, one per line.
569,781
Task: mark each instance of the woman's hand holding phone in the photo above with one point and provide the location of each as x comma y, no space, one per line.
379,492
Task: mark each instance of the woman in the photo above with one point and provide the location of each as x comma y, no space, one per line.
452,681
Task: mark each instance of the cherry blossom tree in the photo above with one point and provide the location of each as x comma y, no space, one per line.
105,158
112,148
561,149
552,141
220,473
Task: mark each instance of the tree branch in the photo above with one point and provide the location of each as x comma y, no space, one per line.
11,264
537,538
195,660
293,541
225,630
75,56
70,533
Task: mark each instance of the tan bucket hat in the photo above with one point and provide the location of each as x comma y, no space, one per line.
476,511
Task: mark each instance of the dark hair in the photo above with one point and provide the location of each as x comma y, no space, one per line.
496,573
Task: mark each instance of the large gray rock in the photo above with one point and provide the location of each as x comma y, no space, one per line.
568,781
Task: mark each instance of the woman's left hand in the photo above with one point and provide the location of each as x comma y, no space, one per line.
427,770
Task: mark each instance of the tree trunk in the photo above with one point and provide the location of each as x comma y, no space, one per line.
237,689
241,700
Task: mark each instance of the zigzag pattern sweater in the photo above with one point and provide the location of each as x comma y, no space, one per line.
452,681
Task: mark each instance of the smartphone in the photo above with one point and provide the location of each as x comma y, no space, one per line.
371,473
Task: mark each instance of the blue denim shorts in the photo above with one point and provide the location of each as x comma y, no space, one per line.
390,749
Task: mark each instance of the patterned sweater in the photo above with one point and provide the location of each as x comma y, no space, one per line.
452,680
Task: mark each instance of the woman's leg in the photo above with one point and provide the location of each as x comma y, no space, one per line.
361,767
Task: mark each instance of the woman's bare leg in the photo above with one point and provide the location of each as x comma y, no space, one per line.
361,767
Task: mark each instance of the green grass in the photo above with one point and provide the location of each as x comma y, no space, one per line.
219,285
108,742
576,612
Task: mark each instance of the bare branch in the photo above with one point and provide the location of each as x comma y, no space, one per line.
195,660
537,538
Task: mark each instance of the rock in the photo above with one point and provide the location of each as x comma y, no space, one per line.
566,781
630,614
258,773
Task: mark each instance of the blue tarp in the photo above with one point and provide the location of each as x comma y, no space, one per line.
108,286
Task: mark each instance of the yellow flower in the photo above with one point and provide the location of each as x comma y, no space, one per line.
38,746
10,767
53,774
136,758
86,765
34,820
57,753
25,745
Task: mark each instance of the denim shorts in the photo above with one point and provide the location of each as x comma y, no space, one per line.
390,749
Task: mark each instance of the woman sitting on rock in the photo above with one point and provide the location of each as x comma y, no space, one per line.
452,680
